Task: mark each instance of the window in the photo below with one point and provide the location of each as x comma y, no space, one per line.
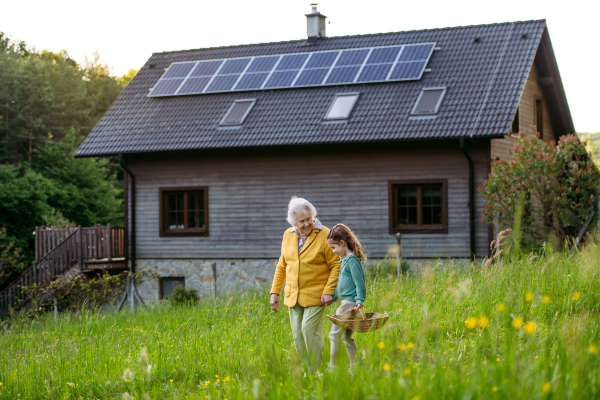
184,211
539,116
238,112
168,284
342,106
418,206
429,101
516,124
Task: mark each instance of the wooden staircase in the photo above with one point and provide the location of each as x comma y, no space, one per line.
59,250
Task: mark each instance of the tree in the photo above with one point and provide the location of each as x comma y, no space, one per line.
84,190
553,188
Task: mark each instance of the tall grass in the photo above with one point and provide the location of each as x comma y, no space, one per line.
522,329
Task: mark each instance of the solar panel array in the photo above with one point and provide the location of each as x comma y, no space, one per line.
319,68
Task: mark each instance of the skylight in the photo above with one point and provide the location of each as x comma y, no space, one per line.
238,112
429,101
342,106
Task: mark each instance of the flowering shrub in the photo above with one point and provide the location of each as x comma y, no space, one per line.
548,188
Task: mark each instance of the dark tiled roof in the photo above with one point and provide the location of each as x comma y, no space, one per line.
484,80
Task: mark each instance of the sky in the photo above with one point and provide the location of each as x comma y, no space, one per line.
125,33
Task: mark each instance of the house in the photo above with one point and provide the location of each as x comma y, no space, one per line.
388,133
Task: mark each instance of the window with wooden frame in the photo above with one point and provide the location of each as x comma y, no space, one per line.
183,211
418,206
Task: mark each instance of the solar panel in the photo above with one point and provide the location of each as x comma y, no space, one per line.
332,67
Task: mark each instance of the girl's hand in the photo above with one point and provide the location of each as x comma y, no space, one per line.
357,307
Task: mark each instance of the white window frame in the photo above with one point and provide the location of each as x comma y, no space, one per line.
252,101
355,94
437,107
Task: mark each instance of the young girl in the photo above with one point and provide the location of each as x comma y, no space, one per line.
350,289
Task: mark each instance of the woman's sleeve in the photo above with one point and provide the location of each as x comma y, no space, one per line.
279,276
333,262
358,276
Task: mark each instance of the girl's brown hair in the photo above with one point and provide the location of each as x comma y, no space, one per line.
342,232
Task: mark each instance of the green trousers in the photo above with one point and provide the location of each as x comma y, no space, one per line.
307,328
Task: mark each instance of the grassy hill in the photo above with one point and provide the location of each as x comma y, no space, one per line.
521,330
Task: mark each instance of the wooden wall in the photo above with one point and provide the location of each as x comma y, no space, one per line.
249,192
501,147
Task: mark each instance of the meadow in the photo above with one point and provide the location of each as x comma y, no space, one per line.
524,329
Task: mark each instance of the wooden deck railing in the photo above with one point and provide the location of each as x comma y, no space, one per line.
76,247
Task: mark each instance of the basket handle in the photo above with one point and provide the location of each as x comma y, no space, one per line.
362,313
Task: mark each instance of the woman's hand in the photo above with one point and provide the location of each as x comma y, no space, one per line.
275,302
357,307
326,299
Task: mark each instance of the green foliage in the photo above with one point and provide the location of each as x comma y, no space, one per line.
75,291
235,347
48,104
85,190
182,296
23,200
12,259
554,186
55,219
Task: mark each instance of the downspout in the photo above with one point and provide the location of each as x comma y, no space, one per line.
132,180
471,200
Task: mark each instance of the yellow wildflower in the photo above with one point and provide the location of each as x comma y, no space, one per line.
170,380
592,349
517,322
381,345
410,345
529,297
546,386
403,347
416,398
407,371
495,389
280,384
546,299
576,296
484,322
216,376
227,379
530,327
387,367
501,307
471,323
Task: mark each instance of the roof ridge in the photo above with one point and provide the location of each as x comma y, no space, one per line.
350,36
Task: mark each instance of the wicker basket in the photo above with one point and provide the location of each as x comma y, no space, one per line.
359,321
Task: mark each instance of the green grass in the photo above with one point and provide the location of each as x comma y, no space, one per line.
425,351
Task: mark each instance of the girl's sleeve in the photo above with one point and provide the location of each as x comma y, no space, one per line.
358,277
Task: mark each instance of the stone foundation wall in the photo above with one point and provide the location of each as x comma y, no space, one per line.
230,274
225,275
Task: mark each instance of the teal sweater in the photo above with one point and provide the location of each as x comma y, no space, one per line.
351,282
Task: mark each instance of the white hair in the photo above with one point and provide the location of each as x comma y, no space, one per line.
298,205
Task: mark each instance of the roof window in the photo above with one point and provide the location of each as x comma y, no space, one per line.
429,101
238,112
342,106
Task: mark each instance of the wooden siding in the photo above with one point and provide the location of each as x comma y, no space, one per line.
501,147
249,193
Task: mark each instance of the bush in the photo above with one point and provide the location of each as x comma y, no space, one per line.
182,296
548,190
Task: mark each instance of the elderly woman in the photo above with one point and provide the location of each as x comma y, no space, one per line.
310,269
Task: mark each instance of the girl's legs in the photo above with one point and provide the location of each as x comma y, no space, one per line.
350,345
334,334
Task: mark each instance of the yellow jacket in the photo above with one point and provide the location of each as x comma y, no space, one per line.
308,275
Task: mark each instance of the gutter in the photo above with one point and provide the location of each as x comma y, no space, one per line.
471,200
132,255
